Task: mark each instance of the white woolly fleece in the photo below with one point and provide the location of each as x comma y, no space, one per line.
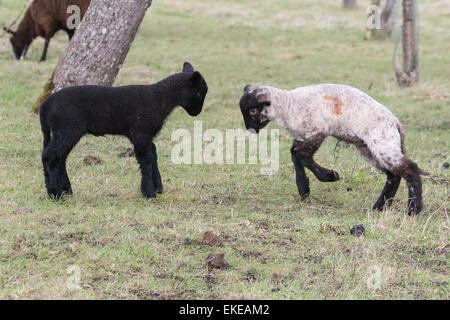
340,111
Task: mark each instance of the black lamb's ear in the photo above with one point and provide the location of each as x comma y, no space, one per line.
263,99
196,77
187,67
247,87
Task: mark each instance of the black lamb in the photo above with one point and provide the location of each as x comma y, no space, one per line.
136,112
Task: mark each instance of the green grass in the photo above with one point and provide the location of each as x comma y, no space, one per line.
130,248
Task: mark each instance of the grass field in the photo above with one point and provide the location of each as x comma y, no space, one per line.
124,247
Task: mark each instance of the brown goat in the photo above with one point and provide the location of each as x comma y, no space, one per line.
43,18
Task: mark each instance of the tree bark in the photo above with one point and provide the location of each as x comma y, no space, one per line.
386,21
387,18
410,74
350,4
100,45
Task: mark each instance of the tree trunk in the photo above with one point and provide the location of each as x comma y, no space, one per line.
386,20
99,47
410,74
350,4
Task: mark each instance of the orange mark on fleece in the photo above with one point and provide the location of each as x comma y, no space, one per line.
337,110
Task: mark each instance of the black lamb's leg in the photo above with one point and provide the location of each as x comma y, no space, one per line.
409,171
145,158
300,176
46,171
390,189
54,160
305,150
64,178
44,53
156,174
50,161
414,194
70,140
323,174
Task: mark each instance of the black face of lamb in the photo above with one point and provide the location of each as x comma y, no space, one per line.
252,112
196,95
137,112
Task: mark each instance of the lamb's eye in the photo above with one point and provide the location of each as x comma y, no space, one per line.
253,112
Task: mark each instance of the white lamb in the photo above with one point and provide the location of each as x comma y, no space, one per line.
312,113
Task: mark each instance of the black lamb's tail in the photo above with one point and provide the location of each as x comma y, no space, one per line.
415,168
44,125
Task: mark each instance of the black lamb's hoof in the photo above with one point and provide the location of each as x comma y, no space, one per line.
414,207
67,191
149,195
304,196
159,190
379,205
334,176
326,175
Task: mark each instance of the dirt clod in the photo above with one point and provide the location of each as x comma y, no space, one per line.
217,261
357,230
211,239
90,160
